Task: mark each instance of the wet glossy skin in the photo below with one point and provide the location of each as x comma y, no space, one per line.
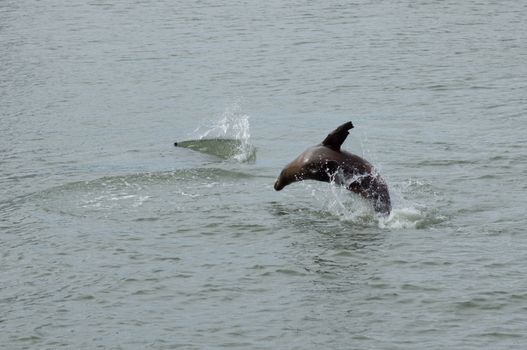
321,163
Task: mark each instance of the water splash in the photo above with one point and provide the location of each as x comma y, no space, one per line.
233,127
349,207
341,203
409,210
219,147
405,217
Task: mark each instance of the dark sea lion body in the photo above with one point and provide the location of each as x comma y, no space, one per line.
327,162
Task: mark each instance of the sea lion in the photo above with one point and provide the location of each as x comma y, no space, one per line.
327,162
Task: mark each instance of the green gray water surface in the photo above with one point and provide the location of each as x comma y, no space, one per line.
111,237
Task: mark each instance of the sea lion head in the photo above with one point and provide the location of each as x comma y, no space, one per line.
285,178
302,168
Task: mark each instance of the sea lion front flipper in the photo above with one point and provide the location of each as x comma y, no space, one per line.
337,137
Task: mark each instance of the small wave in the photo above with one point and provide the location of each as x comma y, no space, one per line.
161,177
446,162
227,138
137,181
133,193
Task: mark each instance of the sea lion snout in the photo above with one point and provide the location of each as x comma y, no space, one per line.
281,180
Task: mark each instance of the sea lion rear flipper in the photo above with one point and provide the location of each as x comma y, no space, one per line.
337,137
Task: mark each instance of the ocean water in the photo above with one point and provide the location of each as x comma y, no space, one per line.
112,238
